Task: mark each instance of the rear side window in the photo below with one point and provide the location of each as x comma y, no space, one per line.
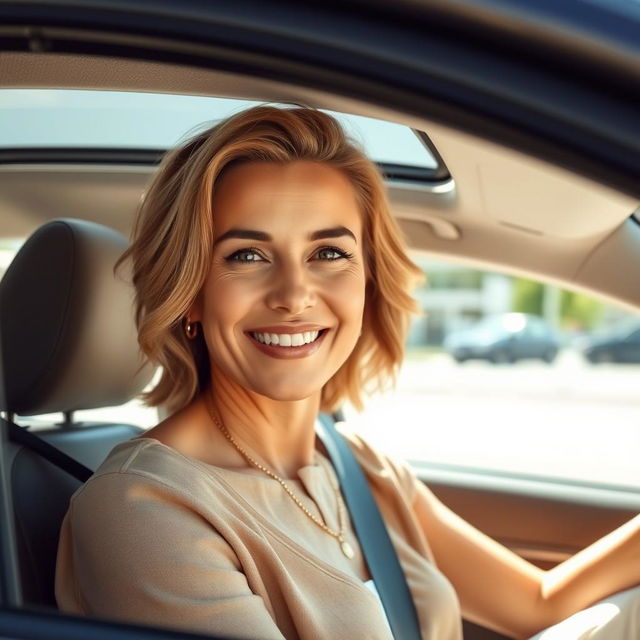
560,401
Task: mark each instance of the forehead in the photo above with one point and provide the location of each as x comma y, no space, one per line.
264,193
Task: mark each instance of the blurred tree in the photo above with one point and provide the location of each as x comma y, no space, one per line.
528,296
578,311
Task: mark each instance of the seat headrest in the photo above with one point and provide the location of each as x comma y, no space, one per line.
67,322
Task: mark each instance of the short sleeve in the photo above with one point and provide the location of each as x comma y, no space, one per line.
384,469
131,550
404,476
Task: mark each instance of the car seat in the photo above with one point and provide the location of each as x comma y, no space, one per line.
68,342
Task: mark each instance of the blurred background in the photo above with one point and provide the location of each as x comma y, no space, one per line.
506,375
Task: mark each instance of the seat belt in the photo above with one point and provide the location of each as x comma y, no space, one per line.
372,534
22,436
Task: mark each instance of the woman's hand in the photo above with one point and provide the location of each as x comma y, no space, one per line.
504,592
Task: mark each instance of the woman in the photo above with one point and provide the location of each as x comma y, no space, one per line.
271,284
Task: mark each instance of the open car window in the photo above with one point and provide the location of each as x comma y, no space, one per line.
511,376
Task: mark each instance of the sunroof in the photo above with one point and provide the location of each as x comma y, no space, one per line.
47,118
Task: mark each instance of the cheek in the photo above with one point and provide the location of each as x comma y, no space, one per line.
225,304
348,297
228,297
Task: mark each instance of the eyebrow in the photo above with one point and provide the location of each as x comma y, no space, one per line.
251,234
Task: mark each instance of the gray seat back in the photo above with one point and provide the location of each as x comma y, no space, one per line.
41,493
68,343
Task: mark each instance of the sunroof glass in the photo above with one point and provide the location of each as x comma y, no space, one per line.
45,118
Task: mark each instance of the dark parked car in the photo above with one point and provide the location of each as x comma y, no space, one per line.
622,345
504,338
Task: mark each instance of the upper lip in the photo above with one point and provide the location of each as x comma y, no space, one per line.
288,328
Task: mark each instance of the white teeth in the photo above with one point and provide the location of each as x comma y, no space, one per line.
287,339
284,340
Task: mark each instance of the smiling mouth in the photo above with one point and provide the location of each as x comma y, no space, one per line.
287,339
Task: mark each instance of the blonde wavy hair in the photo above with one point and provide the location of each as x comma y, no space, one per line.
172,242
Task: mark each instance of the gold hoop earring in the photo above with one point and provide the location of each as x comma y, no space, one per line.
190,329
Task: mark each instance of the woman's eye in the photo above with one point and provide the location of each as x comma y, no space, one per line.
331,253
245,255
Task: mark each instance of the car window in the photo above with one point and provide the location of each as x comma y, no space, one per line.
552,407
67,118
8,249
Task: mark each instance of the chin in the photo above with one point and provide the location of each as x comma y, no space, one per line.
287,390
291,397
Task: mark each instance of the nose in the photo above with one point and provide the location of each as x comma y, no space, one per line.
292,290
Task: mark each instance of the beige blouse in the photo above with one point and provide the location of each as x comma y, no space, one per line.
159,538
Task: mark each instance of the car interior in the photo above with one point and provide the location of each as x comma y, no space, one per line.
67,328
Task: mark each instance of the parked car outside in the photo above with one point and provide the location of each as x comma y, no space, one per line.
504,338
619,345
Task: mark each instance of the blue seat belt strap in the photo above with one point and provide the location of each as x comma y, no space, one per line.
372,534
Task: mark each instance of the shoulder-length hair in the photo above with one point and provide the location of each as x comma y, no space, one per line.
172,244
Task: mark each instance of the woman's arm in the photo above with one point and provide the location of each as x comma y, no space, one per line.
130,550
502,591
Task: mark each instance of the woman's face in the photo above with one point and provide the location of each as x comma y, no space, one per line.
282,305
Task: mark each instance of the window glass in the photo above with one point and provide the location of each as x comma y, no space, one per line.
8,249
559,400
120,119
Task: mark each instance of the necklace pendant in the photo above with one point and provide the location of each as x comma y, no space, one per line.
347,549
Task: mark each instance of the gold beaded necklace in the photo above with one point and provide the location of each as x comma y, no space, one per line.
338,535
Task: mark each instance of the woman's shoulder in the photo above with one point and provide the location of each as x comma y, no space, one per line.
142,464
142,455
380,468
164,452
